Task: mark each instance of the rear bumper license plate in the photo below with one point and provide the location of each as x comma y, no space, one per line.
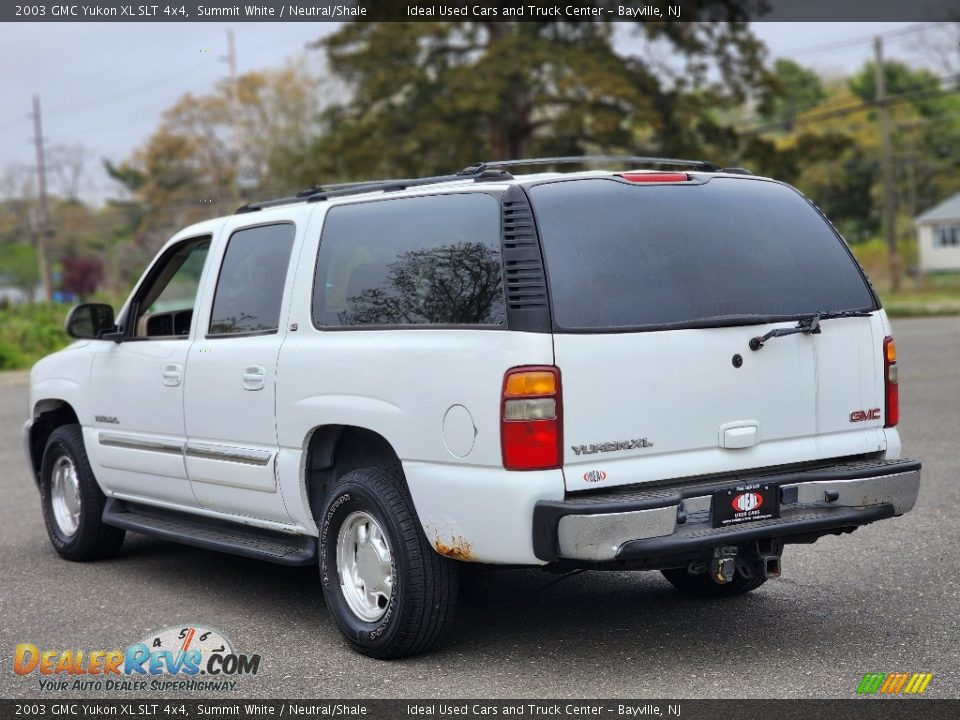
744,504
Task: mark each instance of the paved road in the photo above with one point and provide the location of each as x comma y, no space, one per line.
886,598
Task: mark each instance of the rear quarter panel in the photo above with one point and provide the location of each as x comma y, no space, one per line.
401,384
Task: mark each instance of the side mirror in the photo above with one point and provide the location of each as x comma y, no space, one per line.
90,321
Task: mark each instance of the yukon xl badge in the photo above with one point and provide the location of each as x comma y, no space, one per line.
109,419
611,446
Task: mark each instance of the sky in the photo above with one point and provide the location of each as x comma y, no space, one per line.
105,85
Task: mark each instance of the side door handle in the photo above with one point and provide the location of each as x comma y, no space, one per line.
253,377
172,374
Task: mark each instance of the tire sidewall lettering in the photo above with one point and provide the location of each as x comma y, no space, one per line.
338,509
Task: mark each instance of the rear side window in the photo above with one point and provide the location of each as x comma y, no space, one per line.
431,260
252,279
629,256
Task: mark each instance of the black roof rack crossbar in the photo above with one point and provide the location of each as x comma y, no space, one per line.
481,167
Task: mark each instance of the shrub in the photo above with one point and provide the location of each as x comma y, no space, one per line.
28,332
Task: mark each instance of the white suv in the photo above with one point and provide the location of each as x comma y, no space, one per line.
677,370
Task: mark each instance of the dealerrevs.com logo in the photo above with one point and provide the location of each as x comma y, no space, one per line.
174,659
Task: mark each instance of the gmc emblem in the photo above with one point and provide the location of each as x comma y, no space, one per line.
864,415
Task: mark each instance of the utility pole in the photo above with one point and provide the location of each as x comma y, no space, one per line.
43,262
889,210
231,60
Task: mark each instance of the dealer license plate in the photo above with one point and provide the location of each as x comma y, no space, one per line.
745,503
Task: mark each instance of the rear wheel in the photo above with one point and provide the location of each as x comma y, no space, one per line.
390,594
72,502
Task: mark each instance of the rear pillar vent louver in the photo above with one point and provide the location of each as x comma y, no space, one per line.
524,279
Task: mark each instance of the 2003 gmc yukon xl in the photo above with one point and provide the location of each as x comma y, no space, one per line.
678,370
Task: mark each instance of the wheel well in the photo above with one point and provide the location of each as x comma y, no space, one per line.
335,450
51,414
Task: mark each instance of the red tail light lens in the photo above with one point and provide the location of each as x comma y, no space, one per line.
531,424
892,415
655,177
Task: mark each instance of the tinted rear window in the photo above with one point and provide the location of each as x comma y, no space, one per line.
621,255
432,260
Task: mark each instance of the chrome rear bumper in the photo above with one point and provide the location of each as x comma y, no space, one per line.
661,523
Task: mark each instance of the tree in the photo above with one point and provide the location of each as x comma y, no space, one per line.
796,89
18,267
450,284
81,276
430,97
899,79
192,167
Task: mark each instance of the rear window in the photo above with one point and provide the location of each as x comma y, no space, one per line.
628,256
432,260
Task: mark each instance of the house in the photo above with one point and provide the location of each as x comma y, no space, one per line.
938,236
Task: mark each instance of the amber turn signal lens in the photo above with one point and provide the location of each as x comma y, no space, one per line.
891,349
535,382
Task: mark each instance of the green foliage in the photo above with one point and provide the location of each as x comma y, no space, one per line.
28,332
431,97
796,89
898,79
18,266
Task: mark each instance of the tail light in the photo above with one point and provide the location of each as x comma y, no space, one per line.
892,394
531,421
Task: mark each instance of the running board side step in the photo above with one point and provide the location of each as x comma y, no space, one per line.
211,534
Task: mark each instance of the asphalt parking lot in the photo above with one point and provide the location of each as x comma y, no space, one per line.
884,599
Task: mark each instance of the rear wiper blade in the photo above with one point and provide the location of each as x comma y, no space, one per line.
807,326
843,314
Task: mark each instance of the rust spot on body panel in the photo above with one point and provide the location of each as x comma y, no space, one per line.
458,548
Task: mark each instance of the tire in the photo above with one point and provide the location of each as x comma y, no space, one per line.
72,502
702,586
386,619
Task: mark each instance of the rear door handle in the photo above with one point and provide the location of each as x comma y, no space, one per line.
172,374
253,377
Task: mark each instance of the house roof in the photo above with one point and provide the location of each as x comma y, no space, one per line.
949,209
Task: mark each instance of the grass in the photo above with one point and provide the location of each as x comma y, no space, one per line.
919,295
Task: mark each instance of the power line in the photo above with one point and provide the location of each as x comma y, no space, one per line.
860,40
155,82
858,107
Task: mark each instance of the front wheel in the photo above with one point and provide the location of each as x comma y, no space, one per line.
390,594
72,502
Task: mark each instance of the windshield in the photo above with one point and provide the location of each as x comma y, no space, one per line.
629,256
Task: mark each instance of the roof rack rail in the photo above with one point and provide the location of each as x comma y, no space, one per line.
481,167
316,193
478,172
